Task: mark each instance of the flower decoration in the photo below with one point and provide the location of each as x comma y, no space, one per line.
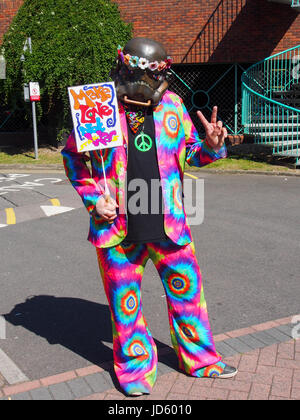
161,66
169,62
143,63
134,61
120,53
153,66
126,59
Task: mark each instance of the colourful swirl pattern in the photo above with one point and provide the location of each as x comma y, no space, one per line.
135,355
171,124
212,371
126,303
177,142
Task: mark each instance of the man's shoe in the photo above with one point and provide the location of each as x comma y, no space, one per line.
228,372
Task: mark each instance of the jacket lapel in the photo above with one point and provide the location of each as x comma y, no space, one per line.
158,118
123,123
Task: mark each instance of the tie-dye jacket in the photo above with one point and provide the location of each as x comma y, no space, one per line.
177,141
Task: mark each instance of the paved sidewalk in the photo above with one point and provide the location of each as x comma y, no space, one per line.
266,355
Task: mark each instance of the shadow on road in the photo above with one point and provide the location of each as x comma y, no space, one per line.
77,324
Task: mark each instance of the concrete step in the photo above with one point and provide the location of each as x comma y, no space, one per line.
275,125
292,87
291,143
274,145
292,146
269,117
291,153
286,93
293,102
277,134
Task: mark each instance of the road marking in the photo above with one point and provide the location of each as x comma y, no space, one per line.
55,201
10,216
53,210
192,176
10,371
1,226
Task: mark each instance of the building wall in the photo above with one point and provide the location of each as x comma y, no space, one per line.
8,9
258,30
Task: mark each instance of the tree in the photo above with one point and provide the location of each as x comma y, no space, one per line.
73,42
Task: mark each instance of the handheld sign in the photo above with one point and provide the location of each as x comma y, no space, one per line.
95,116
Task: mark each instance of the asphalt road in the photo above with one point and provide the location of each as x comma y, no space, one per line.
57,318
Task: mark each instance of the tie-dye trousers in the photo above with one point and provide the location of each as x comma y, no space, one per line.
135,353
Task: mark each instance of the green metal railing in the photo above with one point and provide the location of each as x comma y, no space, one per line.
270,102
296,3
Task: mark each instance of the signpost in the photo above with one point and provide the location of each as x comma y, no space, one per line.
26,92
32,94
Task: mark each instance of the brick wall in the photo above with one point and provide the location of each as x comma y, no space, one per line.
8,9
260,29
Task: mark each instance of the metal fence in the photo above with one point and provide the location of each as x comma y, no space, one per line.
201,86
271,102
13,120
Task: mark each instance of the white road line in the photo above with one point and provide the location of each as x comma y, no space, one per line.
10,371
3,226
53,210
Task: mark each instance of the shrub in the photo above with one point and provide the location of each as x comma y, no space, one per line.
73,42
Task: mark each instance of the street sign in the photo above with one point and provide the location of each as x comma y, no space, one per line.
34,91
27,46
2,67
26,93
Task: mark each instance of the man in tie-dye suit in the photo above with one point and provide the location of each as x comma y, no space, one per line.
159,137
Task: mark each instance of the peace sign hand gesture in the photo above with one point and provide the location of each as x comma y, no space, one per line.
215,132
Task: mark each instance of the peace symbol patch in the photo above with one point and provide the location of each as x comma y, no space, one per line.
143,142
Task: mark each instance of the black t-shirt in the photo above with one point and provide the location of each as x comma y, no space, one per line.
144,194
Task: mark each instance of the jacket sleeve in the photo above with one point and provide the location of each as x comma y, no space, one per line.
198,152
79,174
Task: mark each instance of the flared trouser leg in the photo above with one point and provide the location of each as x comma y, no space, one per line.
135,353
189,323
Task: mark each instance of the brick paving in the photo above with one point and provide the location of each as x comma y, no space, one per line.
266,355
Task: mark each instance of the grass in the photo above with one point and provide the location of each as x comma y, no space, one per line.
46,155
243,164
49,155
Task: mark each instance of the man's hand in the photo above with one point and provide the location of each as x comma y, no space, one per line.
215,132
106,208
